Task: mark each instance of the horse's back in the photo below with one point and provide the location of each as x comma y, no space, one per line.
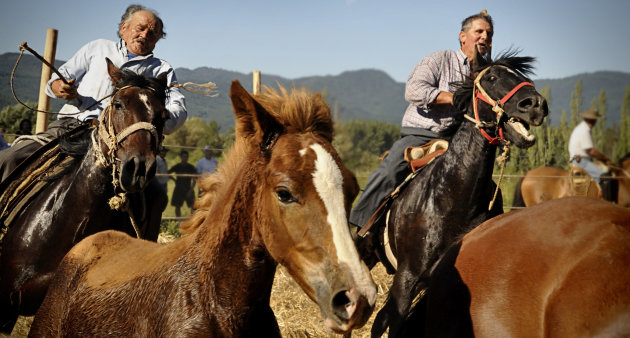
543,184
556,269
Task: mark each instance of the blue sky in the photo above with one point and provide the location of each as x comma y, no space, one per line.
326,37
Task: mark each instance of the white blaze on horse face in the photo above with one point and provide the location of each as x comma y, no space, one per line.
328,182
145,99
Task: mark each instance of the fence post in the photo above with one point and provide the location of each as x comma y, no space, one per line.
256,82
44,100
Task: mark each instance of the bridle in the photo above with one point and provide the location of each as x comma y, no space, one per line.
104,132
107,134
497,106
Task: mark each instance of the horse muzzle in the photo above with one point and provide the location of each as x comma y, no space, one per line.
136,172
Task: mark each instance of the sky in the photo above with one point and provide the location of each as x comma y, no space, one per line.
299,38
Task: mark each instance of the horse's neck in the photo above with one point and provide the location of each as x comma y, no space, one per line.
470,156
233,261
96,174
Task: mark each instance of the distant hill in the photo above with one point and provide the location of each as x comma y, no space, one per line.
366,94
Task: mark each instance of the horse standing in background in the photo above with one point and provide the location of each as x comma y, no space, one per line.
547,183
69,199
452,194
281,196
557,269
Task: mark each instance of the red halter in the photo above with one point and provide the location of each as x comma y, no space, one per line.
497,106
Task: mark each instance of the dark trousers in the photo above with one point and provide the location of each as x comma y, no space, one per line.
11,157
389,173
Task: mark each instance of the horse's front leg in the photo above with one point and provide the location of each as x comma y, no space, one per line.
396,309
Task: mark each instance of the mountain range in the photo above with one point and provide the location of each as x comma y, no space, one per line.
366,94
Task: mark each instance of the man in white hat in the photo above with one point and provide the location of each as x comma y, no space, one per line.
207,164
581,147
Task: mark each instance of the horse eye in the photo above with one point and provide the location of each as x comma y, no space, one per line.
492,78
285,196
118,105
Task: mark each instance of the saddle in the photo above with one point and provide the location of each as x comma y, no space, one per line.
579,180
418,157
31,176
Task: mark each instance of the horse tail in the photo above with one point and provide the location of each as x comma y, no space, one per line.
518,195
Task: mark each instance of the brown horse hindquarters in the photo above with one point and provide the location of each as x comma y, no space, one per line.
548,183
558,269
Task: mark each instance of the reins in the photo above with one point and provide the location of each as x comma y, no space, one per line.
497,107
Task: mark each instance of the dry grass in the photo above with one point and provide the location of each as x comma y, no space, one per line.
297,315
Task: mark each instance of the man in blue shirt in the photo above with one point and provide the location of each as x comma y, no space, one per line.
139,30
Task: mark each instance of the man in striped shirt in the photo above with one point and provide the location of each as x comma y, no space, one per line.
430,114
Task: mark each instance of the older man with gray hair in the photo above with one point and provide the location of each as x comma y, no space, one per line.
139,30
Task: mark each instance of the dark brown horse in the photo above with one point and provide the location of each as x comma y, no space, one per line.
547,183
281,196
557,269
452,194
74,202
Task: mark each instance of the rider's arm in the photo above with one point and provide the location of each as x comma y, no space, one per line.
422,86
73,69
595,153
175,101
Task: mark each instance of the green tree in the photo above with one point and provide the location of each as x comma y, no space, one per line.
576,104
10,117
623,142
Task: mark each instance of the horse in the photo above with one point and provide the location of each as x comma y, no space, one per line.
623,176
281,196
557,269
113,162
452,194
547,183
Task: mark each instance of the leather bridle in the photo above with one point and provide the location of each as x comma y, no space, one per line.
497,106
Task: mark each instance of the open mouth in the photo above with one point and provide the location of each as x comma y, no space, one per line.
522,128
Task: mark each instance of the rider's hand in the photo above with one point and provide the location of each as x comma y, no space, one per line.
64,91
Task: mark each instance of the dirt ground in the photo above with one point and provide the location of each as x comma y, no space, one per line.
297,315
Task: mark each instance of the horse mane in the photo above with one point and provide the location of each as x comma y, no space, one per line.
299,111
129,78
522,65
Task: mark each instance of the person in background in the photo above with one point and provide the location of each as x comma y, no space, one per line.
3,142
207,164
162,168
582,151
430,114
184,183
26,127
139,30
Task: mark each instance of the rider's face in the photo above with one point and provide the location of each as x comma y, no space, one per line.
140,33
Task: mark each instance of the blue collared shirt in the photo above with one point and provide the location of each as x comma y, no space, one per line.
89,68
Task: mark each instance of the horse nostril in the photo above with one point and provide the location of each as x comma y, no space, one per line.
342,305
526,104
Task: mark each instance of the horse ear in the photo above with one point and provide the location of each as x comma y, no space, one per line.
162,79
114,73
252,120
482,61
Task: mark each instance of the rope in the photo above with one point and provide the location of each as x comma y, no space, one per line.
502,158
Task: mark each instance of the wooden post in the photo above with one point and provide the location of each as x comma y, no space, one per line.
256,82
44,100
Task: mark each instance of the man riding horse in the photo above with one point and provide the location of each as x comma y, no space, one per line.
430,114
582,151
86,72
